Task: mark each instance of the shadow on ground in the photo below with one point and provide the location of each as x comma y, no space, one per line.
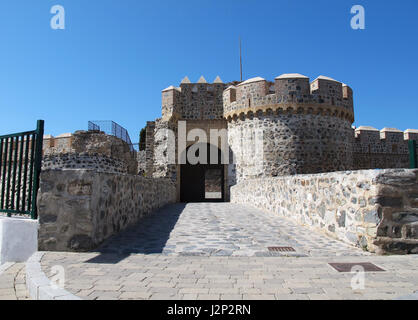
148,236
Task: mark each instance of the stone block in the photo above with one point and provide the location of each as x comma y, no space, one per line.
18,239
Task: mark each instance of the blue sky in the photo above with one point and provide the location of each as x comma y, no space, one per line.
114,57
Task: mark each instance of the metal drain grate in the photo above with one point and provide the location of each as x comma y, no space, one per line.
281,249
348,267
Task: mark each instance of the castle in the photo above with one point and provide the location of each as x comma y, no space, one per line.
306,127
290,148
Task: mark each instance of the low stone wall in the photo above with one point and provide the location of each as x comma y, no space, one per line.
17,239
78,209
373,209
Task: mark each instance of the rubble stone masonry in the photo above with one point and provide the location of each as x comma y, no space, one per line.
79,209
374,209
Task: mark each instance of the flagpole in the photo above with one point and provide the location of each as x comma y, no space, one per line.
240,57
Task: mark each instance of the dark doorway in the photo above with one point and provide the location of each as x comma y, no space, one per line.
202,182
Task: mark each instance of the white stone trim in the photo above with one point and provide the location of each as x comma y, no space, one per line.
18,238
325,78
256,79
291,76
5,266
38,284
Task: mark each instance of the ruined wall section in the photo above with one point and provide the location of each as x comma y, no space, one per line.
88,150
165,151
142,162
149,148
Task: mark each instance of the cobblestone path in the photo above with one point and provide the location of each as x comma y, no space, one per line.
222,229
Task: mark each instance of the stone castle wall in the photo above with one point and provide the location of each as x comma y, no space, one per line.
142,162
90,189
292,93
305,128
165,152
387,148
149,148
79,209
374,209
195,101
291,144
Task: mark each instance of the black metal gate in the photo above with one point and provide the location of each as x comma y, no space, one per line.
20,166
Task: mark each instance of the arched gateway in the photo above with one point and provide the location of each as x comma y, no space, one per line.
202,182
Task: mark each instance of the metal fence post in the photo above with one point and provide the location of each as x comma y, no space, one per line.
20,166
37,166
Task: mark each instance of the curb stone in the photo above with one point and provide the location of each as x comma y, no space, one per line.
5,266
38,284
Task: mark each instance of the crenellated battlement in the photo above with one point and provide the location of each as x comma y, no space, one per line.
387,140
289,93
386,148
194,101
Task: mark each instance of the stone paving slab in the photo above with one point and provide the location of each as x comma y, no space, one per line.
12,282
222,229
247,278
219,251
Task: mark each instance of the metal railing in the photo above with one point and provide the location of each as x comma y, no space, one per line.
20,166
413,159
111,128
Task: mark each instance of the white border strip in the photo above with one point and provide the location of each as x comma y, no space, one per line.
5,266
38,284
413,296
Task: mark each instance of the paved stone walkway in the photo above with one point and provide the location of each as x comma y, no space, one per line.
219,251
222,229
12,282
97,276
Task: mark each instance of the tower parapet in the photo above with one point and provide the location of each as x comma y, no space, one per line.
305,127
194,101
290,93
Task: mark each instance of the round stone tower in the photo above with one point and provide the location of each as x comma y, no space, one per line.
290,126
